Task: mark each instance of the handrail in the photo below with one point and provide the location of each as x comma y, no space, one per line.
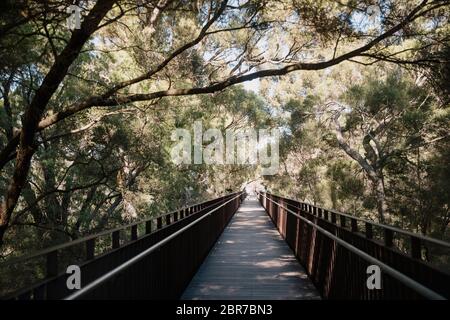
94,236
411,283
141,255
376,224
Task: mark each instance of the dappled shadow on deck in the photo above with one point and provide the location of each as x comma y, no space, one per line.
251,261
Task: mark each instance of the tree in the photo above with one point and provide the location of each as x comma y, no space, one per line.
391,117
222,40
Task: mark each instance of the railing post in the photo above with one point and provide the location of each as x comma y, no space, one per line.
159,222
134,232
416,251
369,231
148,226
90,249
343,220
175,216
167,219
333,217
388,238
52,264
115,239
354,225
325,213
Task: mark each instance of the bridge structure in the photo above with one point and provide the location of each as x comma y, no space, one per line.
238,246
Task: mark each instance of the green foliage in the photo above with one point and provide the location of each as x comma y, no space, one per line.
405,127
109,164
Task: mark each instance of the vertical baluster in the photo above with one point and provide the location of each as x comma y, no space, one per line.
369,231
159,222
416,248
354,224
343,220
52,264
134,232
167,219
116,239
388,238
148,226
90,249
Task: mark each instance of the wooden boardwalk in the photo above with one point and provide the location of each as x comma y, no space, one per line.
250,261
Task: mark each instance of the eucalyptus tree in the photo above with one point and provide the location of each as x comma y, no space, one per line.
131,54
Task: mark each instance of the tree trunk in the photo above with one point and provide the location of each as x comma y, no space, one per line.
37,107
381,199
370,166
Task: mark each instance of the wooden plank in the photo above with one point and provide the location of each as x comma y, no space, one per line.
250,261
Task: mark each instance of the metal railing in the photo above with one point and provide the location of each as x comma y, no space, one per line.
389,232
142,235
336,256
178,235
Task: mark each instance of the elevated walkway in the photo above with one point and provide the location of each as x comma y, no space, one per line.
250,261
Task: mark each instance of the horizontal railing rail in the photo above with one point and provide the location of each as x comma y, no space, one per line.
21,259
126,265
336,257
155,229
328,214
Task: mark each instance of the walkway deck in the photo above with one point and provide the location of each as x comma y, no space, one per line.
250,261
